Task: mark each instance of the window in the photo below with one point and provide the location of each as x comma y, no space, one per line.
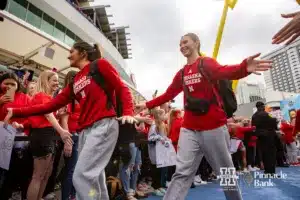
69,38
34,16
47,24
59,31
18,8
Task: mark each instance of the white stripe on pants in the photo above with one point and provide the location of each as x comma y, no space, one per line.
96,145
192,146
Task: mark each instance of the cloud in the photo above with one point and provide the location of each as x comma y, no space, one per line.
156,27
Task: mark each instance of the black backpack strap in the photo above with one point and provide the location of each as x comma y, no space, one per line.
185,90
206,76
99,79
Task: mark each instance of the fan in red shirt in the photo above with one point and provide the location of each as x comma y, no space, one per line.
174,126
11,97
289,137
191,146
97,117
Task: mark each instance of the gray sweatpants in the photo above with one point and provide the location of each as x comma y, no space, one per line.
192,146
292,152
96,145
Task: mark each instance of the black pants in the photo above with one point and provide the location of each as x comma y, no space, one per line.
280,155
18,175
268,151
258,155
237,159
53,178
204,169
171,171
250,154
159,177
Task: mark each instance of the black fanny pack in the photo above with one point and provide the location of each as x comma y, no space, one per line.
197,106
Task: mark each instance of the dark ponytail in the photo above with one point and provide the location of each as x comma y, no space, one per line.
92,51
69,82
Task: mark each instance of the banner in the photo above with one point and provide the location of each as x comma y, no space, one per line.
165,156
7,137
289,106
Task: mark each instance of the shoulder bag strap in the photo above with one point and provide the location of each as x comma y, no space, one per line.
205,75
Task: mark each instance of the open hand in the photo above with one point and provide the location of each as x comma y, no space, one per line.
17,126
68,149
291,31
255,66
66,137
128,119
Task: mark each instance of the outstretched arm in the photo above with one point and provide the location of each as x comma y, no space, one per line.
232,72
59,101
216,71
173,90
112,77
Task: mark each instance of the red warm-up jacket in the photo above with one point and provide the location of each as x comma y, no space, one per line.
199,87
91,97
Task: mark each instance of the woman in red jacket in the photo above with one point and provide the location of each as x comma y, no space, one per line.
204,134
98,126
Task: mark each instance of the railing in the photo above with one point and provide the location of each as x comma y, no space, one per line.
83,14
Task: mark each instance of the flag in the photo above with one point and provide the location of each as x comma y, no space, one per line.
227,4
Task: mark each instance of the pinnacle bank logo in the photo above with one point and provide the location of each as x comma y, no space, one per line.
228,176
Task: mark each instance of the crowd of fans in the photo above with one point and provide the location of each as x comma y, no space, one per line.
90,141
253,144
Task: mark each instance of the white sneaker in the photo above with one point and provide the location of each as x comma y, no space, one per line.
256,168
251,169
245,170
197,178
168,184
200,183
50,196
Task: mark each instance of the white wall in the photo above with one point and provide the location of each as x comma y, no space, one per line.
65,13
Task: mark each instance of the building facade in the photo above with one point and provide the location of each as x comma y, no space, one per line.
249,92
285,74
33,27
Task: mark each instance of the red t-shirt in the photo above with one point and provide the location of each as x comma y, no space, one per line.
287,129
40,121
175,131
73,117
297,123
199,87
91,97
241,131
20,100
